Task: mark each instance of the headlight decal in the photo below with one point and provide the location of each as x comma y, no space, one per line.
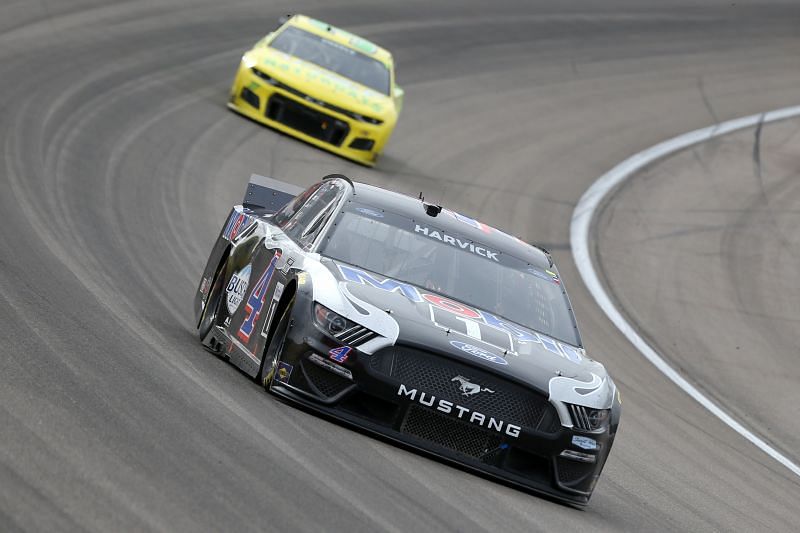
589,419
344,330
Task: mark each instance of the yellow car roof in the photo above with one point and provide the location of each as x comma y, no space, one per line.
343,37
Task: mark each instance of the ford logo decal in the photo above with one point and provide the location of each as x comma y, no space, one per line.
478,352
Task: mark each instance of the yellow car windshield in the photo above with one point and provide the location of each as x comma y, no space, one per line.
334,57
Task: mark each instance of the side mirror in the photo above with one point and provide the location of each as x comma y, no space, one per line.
399,93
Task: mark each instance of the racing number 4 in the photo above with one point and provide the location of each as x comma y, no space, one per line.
256,300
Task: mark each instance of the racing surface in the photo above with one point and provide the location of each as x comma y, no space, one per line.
703,247
119,161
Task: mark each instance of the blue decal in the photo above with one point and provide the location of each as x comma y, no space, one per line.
550,344
256,300
369,212
519,333
237,223
572,353
584,442
387,284
478,352
340,354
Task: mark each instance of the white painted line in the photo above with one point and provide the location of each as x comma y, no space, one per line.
583,217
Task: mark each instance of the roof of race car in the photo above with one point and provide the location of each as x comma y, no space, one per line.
451,222
342,37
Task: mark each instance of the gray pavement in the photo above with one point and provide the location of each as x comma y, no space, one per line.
701,250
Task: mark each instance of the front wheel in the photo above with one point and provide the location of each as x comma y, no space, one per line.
273,351
209,317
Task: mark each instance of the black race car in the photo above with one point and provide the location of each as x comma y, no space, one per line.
414,322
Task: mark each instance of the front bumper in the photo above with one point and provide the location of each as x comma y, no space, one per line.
364,389
289,112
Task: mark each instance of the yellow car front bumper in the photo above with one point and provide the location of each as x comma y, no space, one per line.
290,111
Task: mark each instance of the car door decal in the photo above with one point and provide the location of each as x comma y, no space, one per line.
256,300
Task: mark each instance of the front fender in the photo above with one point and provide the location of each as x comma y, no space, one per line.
237,223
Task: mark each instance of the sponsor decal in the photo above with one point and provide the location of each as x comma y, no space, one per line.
333,367
584,442
387,284
452,322
335,85
236,288
363,45
340,354
458,243
237,223
554,277
469,388
289,262
273,304
459,411
484,227
540,274
451,306
284,372
472,222
571,353
369,212
478,352
470,315
204,285
520,334
256,300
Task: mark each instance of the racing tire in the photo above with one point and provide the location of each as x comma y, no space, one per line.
209,317
273,350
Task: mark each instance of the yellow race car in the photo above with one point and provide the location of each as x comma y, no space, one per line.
320,84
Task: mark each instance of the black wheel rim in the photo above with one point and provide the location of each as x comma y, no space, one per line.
273,352
211,309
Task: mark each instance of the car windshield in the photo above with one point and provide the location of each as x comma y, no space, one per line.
416,252
334,57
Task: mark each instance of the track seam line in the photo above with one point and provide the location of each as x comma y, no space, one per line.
583,217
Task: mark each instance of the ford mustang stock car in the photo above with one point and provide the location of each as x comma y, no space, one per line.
413,322
322,85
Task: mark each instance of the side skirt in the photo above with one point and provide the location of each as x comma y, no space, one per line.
221,343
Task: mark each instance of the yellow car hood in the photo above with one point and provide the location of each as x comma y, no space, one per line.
322,84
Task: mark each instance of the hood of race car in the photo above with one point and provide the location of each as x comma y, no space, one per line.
319,83
446,326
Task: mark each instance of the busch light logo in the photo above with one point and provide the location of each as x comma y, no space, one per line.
478,352
236,288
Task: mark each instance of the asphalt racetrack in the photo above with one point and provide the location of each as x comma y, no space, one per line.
119,161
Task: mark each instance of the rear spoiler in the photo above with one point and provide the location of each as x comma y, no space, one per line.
267,193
